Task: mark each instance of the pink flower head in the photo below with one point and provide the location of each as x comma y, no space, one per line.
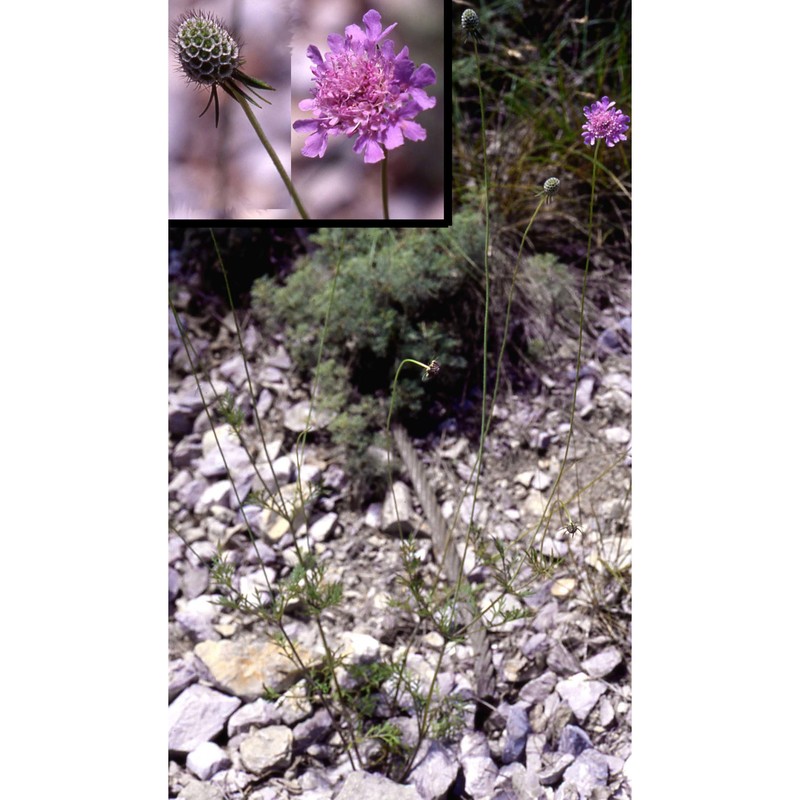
363,89
604,122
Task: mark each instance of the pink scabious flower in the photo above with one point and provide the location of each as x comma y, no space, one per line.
604,122
364,89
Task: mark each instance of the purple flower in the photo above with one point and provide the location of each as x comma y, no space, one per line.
364,89
604,122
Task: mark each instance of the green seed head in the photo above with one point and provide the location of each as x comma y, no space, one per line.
470,24
207,51
551,188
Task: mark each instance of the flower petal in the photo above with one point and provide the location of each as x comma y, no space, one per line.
393,137
315,145
373,152
313,53
413,131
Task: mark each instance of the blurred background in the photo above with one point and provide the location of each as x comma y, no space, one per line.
224,173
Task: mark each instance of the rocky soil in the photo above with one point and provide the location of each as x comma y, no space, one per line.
560,725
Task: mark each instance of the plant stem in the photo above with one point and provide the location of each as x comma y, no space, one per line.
580,346
508,312
385,184
479,461
271,152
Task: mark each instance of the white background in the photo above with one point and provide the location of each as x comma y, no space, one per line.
715,404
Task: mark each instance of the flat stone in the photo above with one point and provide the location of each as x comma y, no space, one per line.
514,783
264,404
573,740
494,615
190,493
541,481
561,661
456,449
173,584
609,341
294,704
615,398
280,472
258,714
296,418
197,715
607,713
206,760
197,617
313,729
182,674
534,505
617,380
278,529
358,648
563,587
199,790
367,786
524,478
588,771
233,370
257,586
372,516
554,771
279,359
617,435
601,664
546,617
186,404
584,392
292,500
535,643
219,442
245,668
267,748
537,690
215,494
195,581
436,771
480,771
581,693
186,450
397,513
321,528
516,732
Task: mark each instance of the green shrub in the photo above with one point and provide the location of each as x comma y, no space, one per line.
409,293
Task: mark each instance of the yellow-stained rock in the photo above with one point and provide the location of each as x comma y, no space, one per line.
244,668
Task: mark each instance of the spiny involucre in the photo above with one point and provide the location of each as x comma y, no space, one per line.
210,55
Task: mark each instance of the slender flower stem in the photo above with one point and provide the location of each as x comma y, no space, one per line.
385,184
271,152
580,346
508,312
479,462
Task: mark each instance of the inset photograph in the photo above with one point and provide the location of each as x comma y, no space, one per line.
308,110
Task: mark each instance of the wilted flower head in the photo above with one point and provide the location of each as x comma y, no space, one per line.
364,89
210,55
604,122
